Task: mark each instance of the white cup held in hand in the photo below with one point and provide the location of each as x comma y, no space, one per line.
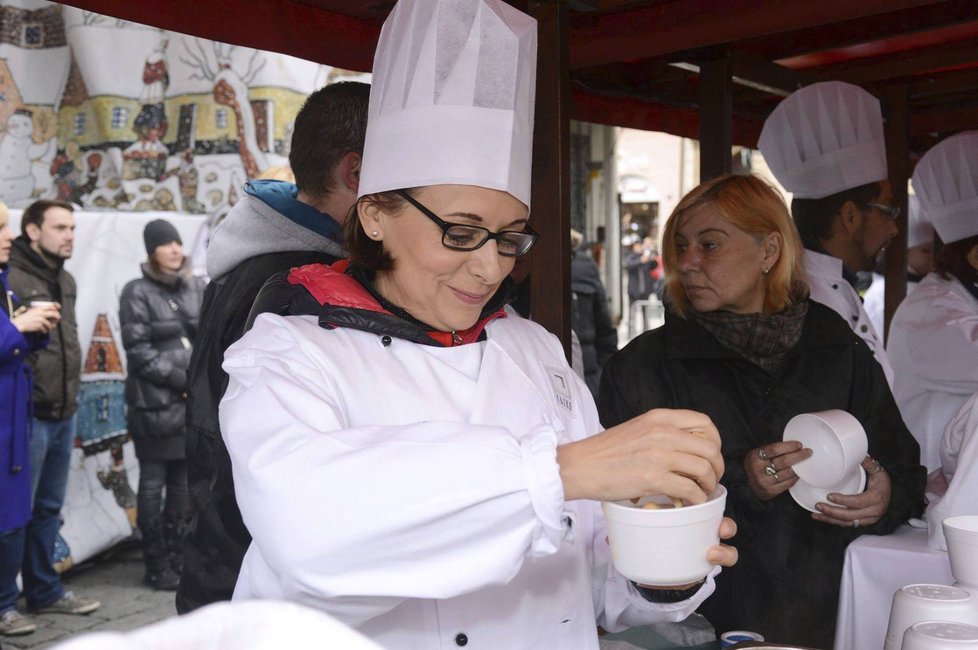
664,547
838,443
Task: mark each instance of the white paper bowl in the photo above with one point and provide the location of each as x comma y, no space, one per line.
925,602
940,635
664,547
961,534
807,495
838,443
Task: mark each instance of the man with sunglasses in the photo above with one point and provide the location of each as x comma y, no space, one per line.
824,143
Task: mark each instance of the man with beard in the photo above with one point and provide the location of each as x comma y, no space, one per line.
37,276
824,143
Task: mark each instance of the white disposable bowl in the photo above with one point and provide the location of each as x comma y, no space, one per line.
838,443
664,547
924,602
940,635
961,534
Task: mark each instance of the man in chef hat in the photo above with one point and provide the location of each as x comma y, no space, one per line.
920,262
932,337
824,144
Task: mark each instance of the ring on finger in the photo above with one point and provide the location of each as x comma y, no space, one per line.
771,470
855,523
762,454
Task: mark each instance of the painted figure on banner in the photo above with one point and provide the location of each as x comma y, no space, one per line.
18,151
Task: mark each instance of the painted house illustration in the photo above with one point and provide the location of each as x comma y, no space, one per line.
102,401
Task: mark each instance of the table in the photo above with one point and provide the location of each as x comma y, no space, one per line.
875,567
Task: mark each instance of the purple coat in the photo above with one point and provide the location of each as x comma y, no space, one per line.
15,417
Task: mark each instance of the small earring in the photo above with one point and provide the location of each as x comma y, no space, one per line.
374,233
765,271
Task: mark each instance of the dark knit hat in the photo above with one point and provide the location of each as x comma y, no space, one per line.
159,232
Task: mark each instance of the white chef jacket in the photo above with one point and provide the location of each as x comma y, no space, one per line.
874,302
934,349
412,491
959,460
829,287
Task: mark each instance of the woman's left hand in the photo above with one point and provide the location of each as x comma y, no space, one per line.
863,509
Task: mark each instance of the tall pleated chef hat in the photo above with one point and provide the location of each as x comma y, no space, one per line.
946,181
825,138
452,97
919,229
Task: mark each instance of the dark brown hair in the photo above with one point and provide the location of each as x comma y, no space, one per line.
953,260
364,251
814,217
331,124
34,213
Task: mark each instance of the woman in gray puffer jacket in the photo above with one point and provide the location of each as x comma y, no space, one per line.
158,314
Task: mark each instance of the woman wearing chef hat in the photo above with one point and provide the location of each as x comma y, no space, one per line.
934,334
411,458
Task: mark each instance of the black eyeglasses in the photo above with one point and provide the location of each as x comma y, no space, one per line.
459,237
891,211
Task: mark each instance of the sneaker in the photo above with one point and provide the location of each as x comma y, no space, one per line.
13,623
70,604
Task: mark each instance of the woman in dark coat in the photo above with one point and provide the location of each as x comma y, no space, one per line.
743,343
158,314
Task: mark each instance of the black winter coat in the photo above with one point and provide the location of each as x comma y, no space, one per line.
218,539
159,314
786,582
591,319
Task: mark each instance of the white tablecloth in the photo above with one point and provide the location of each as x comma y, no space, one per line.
875,567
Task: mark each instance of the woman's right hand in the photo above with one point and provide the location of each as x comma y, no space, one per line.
38,319
662,451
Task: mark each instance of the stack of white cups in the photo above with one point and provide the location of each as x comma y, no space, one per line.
941,617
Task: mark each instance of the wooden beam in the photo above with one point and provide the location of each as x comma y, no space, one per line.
896,111
904,64
944,120
855,31
550,198
667,27
716,118
634,113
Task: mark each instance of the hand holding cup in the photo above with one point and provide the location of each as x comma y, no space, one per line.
41,317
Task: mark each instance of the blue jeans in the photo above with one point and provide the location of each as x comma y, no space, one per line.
50,457
11,557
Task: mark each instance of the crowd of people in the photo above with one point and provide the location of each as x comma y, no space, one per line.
350,415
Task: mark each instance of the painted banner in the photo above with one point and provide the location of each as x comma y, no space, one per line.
111,114
100,503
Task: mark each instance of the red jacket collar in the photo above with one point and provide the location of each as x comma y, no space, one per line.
331,285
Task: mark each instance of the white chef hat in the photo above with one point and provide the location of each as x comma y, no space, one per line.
946,181
451,100
919,229
825,138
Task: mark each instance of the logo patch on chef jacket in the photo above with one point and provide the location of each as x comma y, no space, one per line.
562,387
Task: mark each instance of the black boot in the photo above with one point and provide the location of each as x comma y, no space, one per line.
173,532
159,575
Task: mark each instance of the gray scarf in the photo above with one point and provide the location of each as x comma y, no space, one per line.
762,339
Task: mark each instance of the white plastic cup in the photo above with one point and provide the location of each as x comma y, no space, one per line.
940,635
838,443
961,535
734,637
665,547
925,602
42,303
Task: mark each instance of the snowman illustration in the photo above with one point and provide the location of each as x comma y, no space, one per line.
17,153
